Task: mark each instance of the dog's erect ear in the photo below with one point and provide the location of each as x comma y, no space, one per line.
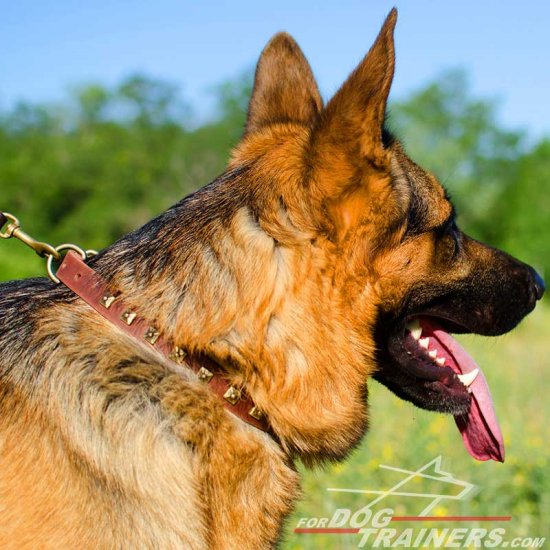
284,87
351,165
354,117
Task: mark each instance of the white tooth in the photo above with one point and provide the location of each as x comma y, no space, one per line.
433,354
414,328
468,378
440,361
424,342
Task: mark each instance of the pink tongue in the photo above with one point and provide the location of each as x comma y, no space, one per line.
479,428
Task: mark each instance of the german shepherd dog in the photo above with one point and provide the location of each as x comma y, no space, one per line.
322,256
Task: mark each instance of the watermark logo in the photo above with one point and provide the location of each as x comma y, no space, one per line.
424,489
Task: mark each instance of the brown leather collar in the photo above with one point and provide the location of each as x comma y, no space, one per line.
108,302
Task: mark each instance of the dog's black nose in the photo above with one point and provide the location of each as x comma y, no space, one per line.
539,286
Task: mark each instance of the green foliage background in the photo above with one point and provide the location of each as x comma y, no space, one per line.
105,161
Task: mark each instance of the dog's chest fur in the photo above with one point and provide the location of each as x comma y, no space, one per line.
119,449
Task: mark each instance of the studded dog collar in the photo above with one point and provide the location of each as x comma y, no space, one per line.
95,291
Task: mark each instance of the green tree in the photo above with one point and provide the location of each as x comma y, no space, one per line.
458,138
522,213
108,159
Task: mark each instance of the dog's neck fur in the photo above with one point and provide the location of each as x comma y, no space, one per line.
256,331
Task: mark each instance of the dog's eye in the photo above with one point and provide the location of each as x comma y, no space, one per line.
456,241
448,238
454,232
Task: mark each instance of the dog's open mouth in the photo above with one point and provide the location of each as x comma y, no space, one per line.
432,370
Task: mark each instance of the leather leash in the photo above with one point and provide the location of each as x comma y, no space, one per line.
108,302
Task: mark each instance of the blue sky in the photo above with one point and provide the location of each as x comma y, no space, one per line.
48,46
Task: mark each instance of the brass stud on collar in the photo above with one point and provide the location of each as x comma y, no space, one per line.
177,355
128,316
107,301
205,375
232,395
152,335
256,413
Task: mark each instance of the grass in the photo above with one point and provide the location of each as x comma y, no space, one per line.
406,437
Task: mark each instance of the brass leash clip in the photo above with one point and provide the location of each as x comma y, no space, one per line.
13,229
44,250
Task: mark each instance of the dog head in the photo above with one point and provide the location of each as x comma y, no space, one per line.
361,267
